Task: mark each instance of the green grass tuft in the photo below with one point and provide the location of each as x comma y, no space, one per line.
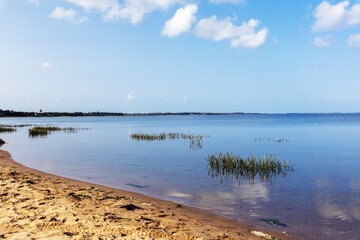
41,131
228,166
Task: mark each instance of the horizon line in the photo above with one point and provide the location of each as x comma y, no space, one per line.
169,113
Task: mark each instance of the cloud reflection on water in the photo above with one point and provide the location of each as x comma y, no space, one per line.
340,211
331,206
227,203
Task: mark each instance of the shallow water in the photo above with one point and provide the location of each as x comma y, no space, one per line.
319,200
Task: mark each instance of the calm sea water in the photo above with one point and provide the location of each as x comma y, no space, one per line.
319,200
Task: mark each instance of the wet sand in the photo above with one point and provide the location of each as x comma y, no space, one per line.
37,205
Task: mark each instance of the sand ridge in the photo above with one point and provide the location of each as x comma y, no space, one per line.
35,205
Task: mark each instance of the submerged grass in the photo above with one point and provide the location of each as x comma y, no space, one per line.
266,139
196,141
164,136
18,125
234,166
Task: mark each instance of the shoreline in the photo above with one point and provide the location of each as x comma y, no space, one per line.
36,204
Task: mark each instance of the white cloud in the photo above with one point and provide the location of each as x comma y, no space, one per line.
354,15
322,41
226,1
330,17
354,40
98,5
181,22
131,10
67,14
244,35
130,96
45,64
135,10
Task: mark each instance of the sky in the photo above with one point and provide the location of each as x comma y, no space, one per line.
180,55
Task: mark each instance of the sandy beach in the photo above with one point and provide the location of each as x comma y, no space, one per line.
37,205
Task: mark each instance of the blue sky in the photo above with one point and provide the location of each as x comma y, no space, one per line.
180,55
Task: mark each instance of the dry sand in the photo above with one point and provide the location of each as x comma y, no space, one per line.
36,205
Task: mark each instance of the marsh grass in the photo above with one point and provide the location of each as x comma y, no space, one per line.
7,129
228,166
43,131
195,141
266,139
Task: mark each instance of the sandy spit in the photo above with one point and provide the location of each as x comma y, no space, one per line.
37,205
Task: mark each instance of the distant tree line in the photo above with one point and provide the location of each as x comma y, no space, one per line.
12,113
